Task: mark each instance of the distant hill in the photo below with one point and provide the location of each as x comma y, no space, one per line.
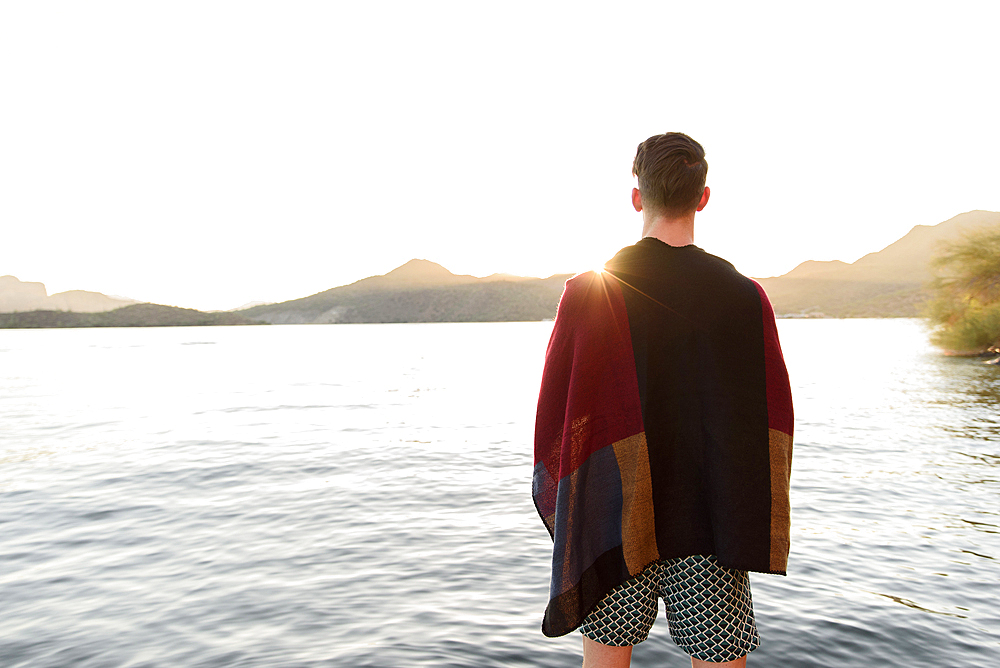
135,315
889,283
415,273
16,295
422,291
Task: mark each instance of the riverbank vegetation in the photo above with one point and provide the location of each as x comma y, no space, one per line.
965,309
136,315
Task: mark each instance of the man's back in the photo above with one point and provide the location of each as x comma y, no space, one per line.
697,328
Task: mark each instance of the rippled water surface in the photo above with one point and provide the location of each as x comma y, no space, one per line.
359,495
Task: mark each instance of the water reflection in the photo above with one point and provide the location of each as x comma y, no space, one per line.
968,380
989,460
974,388
976,554
910,604
982,526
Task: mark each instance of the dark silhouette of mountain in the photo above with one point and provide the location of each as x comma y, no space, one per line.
422,291
415,273
18,295
889,283
135,315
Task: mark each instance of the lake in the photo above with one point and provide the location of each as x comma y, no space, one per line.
359,495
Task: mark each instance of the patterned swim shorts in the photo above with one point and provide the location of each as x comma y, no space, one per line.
709,609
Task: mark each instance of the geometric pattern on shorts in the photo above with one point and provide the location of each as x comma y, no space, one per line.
709,609
626,614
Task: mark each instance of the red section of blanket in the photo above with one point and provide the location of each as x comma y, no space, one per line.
779,392
589,396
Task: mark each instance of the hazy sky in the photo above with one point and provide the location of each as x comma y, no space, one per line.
207,154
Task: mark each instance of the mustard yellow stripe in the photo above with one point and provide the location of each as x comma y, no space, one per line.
638,526
780,447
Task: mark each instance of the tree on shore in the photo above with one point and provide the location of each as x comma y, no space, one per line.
965,310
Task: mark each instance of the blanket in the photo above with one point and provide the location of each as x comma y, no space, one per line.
664,425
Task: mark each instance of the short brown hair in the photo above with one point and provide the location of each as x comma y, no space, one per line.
672,169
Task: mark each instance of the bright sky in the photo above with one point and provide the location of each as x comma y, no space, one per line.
207,154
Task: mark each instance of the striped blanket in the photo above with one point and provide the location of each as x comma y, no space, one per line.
664,425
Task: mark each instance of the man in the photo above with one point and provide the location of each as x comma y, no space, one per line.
663,436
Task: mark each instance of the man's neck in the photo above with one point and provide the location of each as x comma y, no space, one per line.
671,231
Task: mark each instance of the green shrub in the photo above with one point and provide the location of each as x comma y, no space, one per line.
975,331
965,310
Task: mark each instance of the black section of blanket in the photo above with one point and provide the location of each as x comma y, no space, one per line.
697,336
606,573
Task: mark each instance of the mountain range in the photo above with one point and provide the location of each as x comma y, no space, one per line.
18,295
422,291
889,283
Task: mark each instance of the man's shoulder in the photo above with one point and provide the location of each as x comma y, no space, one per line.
650,255
581,288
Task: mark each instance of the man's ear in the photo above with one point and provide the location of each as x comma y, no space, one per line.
704,199
637,199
